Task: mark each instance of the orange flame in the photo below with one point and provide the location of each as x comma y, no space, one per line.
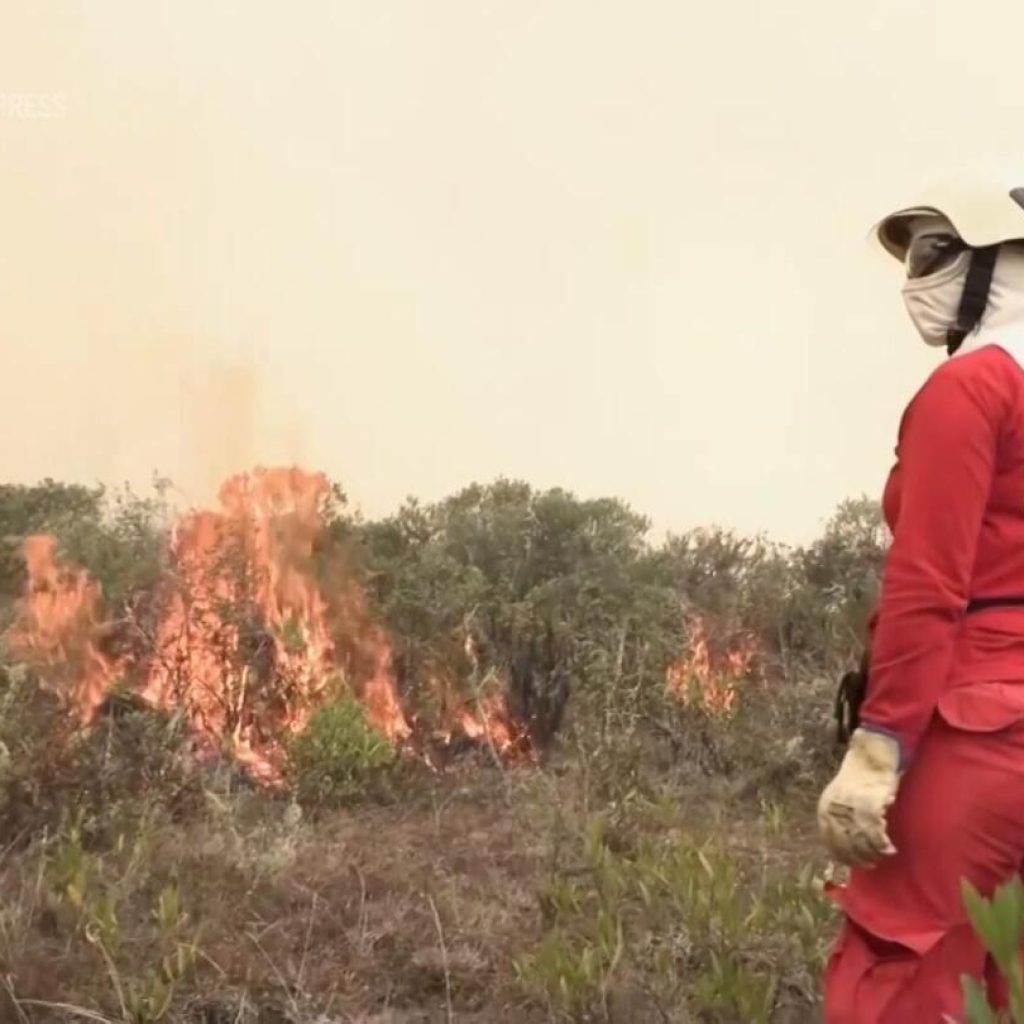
491,720
487,718
58,629
710,680
380,697
245,645
248,644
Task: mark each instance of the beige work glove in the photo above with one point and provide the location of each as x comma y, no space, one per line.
851,810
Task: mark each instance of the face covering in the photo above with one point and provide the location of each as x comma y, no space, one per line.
933,302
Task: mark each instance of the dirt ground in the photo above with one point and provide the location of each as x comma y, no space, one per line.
414,912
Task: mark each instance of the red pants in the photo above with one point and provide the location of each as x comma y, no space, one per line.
906,939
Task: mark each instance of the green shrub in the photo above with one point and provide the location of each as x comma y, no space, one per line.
339,758
93,900
107,776
685,922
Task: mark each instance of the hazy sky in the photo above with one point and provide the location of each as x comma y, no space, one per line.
619,247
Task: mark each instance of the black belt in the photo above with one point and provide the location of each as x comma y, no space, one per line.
979,604
853,685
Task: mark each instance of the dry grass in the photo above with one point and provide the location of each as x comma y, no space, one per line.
625,882
417,911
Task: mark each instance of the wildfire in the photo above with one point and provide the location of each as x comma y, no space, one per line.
707,676
491,721
59,629
380,696
251,636
243,645
487,718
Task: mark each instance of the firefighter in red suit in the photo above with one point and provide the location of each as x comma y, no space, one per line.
931,787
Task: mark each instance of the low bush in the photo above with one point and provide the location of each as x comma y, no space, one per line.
104,776
339,759
639,927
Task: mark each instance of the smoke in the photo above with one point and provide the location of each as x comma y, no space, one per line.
233,425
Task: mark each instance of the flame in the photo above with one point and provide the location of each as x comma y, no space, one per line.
486,718
380,696
58,628
709,679
245,645
491,721
249,643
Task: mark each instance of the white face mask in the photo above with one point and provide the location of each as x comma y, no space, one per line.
933,301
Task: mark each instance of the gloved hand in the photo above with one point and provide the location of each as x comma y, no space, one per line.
851,810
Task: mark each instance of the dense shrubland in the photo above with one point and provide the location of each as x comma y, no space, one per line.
653,860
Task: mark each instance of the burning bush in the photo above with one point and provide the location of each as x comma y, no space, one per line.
59,628
709,672
102,777
457,626
255,624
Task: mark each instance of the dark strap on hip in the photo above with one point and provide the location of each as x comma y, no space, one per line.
979,604
854,684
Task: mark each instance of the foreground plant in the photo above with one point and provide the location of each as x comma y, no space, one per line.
94,906
684,922
999,923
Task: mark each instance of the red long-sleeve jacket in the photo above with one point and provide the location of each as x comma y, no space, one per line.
954,502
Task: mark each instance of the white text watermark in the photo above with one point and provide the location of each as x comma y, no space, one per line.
33,106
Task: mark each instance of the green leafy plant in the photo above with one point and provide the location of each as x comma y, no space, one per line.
339,758
682,920
82,883
999,923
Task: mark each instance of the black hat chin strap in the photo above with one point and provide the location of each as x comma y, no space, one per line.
975,295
